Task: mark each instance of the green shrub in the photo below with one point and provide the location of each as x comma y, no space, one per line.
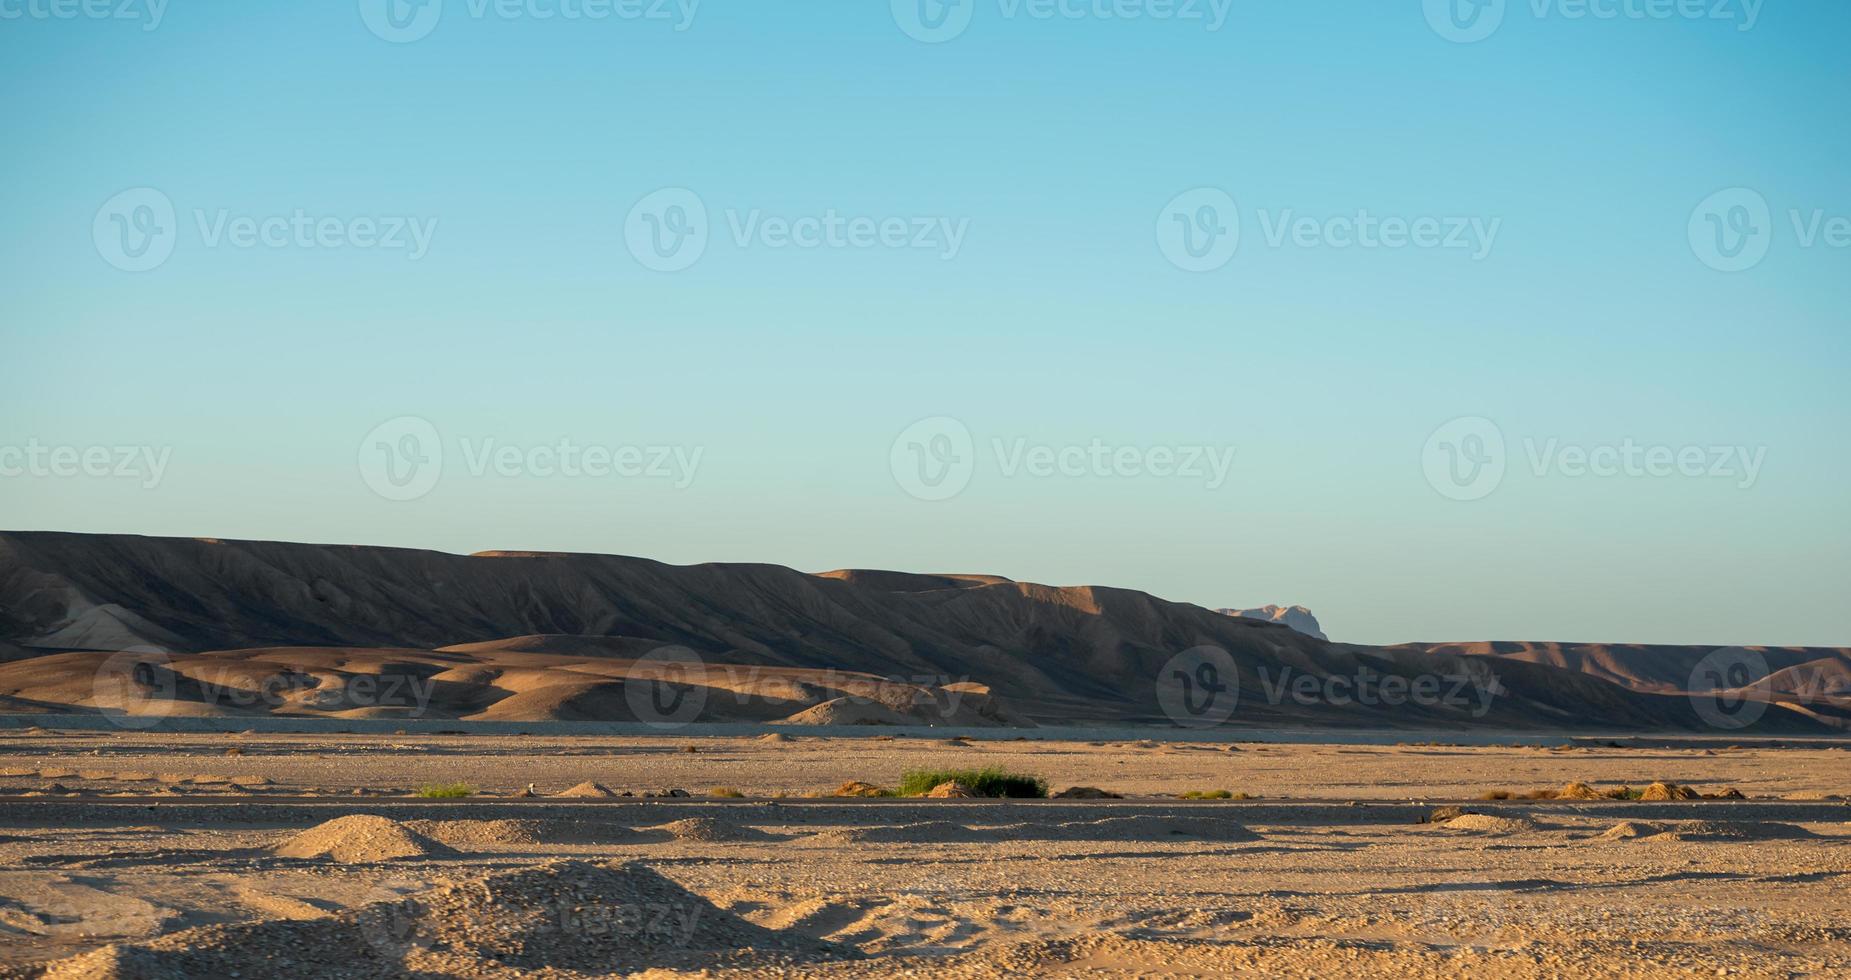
988,781
446,791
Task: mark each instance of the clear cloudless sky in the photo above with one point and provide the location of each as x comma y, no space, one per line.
1592,320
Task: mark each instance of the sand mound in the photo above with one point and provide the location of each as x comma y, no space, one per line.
775,738
1631,829
1484,823
571,917
587,789
707,830
361,838
859,789
469,834
953,790
1717,830
1086,793
848,711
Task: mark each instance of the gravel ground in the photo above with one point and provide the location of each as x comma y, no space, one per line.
1329,874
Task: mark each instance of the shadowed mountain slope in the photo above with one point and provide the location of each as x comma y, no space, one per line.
1049,654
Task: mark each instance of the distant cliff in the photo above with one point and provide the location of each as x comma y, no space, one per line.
1297,617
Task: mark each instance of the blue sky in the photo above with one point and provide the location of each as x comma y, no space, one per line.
273,379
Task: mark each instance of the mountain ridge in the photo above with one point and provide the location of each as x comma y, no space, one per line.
1043,653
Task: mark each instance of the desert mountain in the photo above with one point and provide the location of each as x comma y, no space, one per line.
228,627
1297,617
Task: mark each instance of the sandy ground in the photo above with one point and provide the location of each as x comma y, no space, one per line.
139,855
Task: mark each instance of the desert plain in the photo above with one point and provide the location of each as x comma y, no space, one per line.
259,759
162,854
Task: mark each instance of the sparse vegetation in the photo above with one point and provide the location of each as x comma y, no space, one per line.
445,791
989,781
726,793
1213,794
